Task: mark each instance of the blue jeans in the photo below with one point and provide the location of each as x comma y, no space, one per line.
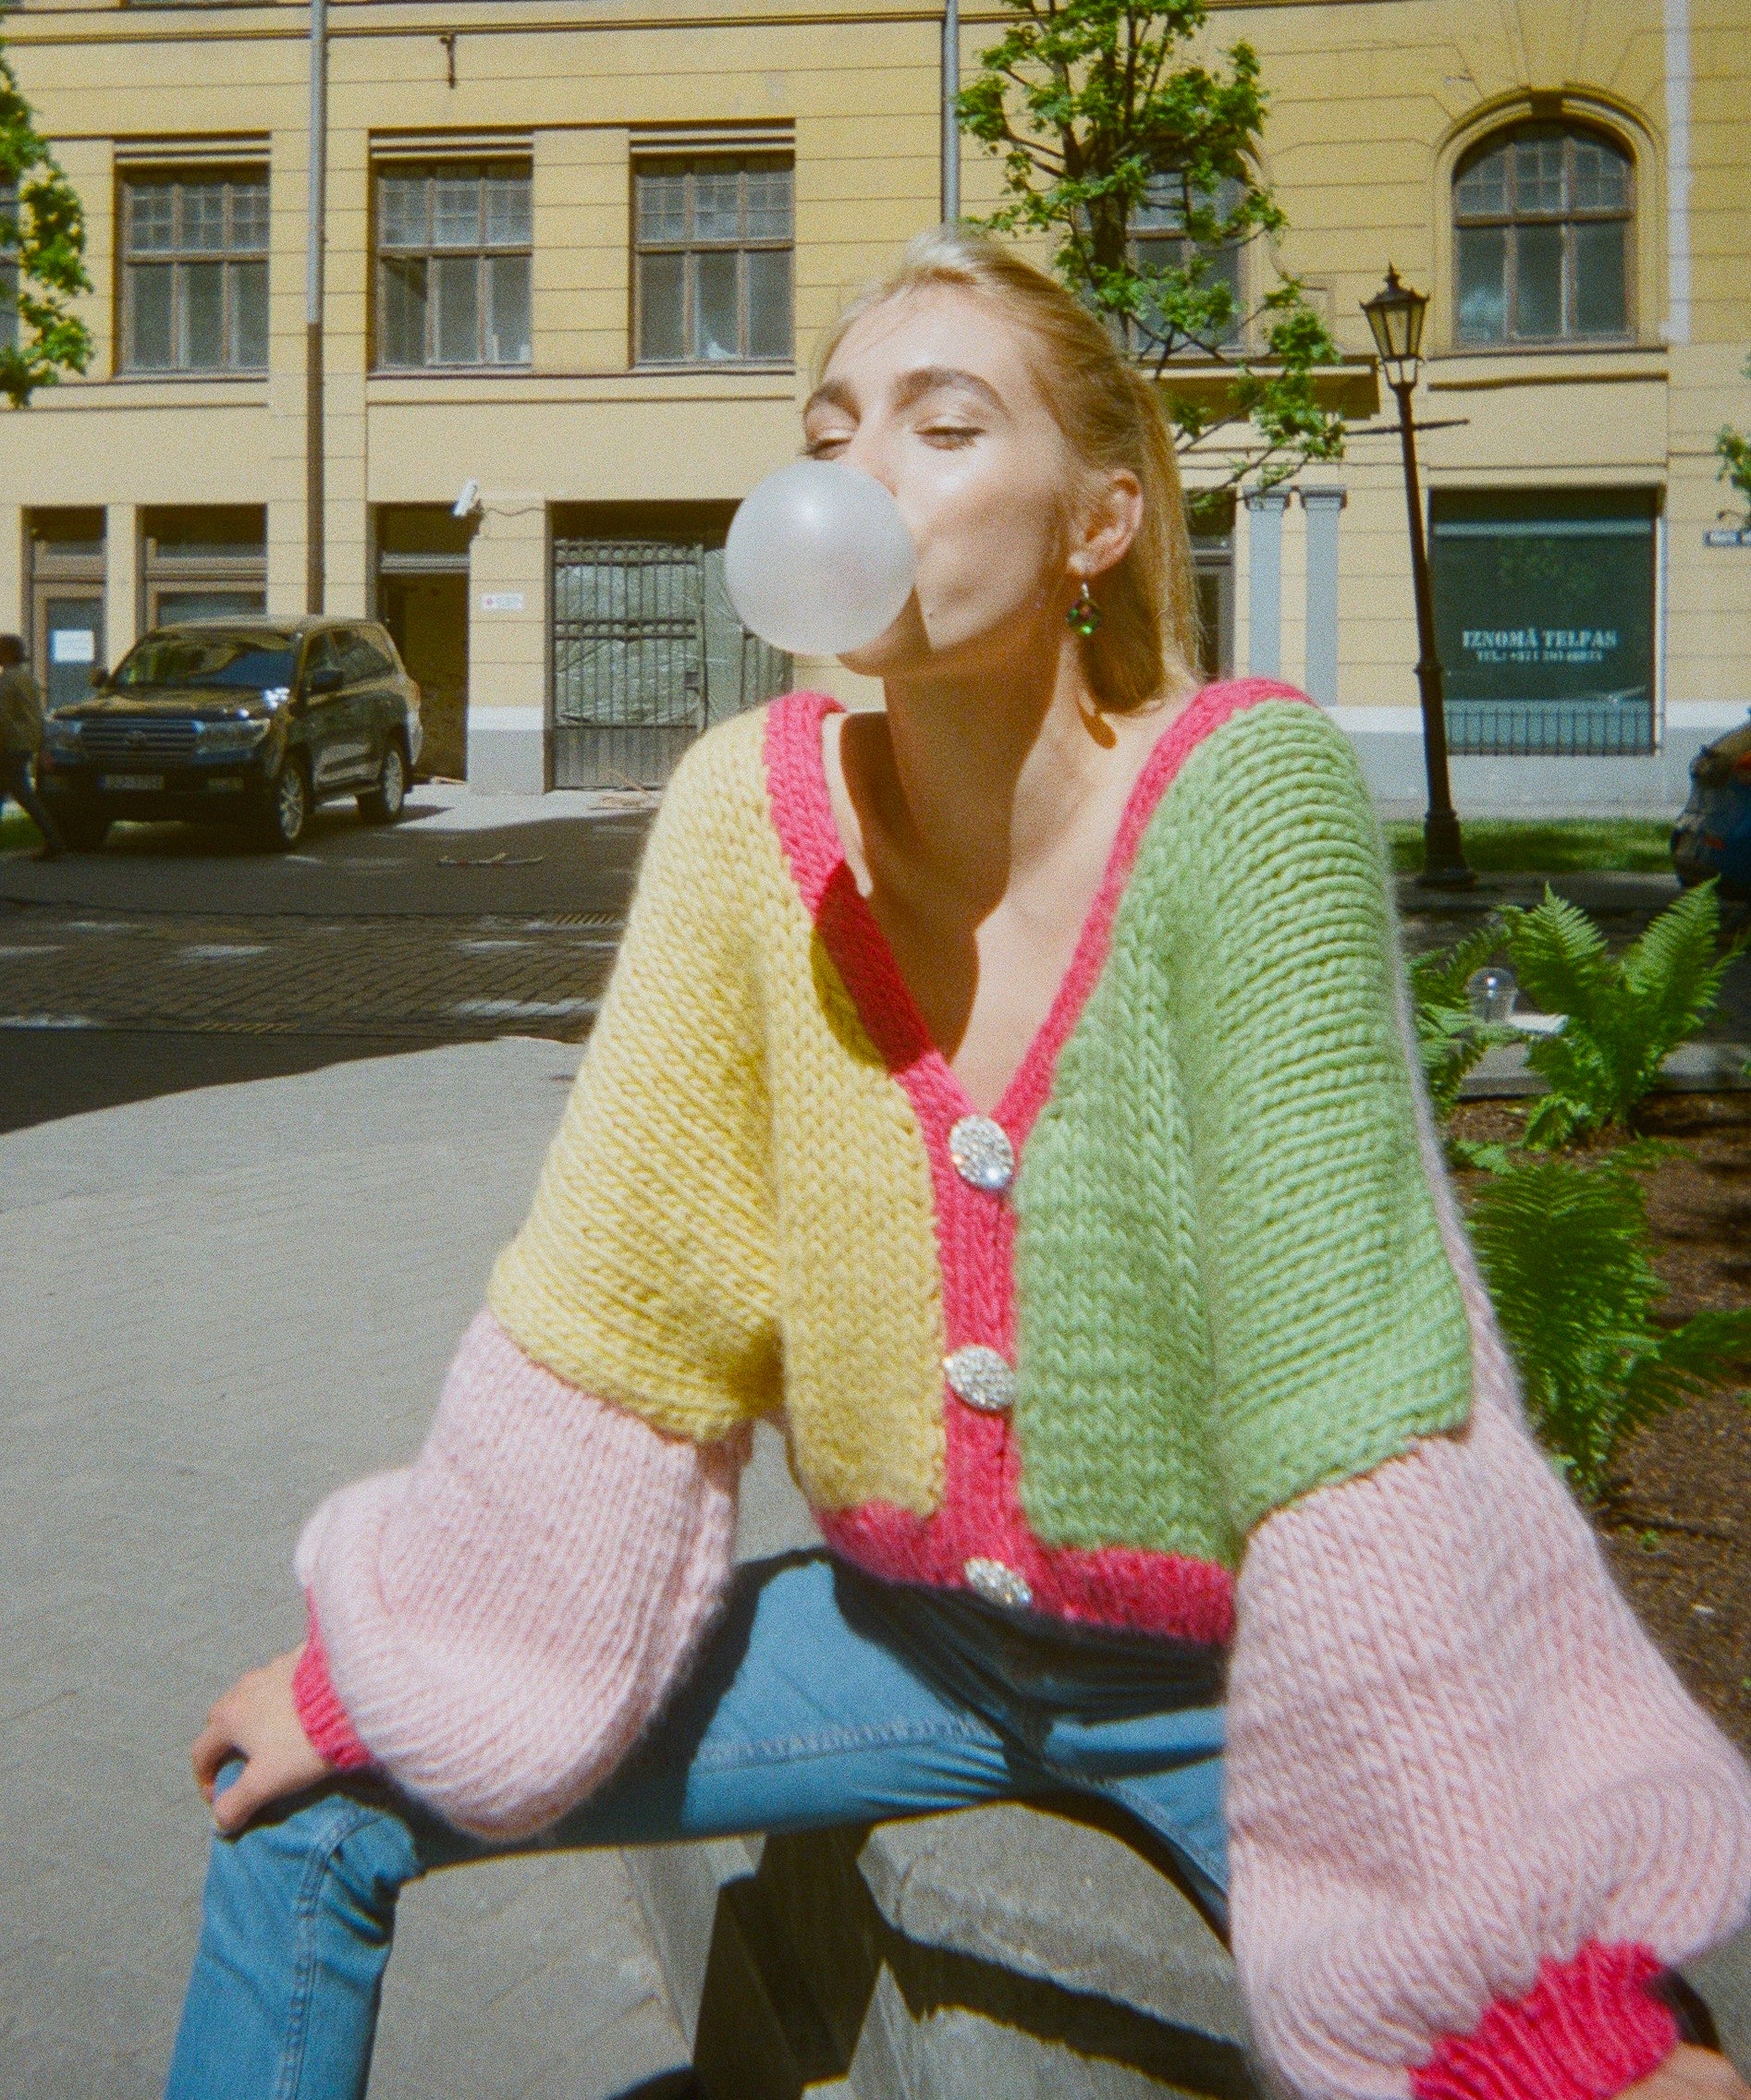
821,1698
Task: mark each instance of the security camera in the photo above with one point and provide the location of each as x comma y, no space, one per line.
469,501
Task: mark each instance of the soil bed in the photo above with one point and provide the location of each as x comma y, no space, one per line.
1677,1525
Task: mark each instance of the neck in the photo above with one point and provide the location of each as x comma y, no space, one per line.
972,782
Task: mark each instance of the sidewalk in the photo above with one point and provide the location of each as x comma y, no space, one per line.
219,1306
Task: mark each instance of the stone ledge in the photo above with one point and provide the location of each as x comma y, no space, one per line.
1009,1951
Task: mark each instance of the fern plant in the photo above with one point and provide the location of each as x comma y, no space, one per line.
1622,1015
1564,1249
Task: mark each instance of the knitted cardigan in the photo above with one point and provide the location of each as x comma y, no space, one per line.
1185,1336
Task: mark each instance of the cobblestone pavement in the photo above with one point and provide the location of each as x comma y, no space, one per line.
64,967
217,1306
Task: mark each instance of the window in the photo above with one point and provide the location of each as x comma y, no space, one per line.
8,266
453,265
1158,242
712,249
362,656
203,562
194,272
1541,229
1544,619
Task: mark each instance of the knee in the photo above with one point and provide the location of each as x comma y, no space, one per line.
329,1853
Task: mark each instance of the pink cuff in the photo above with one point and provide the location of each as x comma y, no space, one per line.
325,1721
1587,2028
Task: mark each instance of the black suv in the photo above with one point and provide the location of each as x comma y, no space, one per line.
252,721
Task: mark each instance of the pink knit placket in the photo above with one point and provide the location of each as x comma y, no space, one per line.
981,1514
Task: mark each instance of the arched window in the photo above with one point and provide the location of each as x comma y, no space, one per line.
1541,222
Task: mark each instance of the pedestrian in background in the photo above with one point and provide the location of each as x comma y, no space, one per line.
21,739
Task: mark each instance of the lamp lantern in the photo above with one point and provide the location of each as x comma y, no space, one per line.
1395,317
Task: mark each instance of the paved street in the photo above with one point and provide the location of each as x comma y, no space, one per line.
176,957
219,1306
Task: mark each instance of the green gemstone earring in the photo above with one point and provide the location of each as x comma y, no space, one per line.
1084,615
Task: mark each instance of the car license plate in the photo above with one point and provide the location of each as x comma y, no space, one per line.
147,782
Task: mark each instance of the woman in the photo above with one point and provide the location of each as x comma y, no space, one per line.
1012,1091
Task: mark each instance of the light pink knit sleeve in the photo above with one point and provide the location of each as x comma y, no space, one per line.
1471,1812
496,1623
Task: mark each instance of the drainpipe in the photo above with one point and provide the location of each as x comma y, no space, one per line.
313,440
951,128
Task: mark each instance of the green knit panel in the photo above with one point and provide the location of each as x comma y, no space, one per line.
1232,1287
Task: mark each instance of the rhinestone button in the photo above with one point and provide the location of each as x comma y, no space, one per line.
982,1378
997,1583
982,1154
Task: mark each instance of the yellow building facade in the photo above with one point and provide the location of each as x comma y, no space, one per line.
576,258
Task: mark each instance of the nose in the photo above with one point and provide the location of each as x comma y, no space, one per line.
871,450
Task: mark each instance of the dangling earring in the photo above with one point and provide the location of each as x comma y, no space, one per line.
1084,615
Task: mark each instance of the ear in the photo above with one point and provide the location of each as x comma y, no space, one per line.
1110,521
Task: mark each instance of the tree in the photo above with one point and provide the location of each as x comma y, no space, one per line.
1103,122
41,256
1732,447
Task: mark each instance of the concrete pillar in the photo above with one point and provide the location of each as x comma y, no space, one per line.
509,594
121,580
1265,601
1322,506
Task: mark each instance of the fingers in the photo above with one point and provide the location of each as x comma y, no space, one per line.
255,1786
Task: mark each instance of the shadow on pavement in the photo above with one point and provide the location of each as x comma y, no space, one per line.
48,1073
440,861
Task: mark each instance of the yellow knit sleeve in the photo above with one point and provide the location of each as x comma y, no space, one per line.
645,1271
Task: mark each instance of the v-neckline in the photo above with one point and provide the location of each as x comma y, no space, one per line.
803,804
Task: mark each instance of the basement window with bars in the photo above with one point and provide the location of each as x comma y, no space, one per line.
454,247
194,271
712,261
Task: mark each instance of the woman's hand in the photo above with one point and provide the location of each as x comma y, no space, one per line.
1690,2074
258,1719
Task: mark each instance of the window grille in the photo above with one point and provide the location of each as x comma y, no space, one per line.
8,266
712,246
1541,223
1158,242
454,244
194,272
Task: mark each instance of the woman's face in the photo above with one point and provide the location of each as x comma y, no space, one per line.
933,393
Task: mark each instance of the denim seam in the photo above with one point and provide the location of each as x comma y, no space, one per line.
318,1863
830,1743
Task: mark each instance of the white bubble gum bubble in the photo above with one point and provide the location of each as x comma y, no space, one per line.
818,559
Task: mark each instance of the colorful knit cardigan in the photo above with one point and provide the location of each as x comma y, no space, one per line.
1185,1336
1217,1272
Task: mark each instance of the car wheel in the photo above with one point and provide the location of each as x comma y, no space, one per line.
386,802
81,830
287,811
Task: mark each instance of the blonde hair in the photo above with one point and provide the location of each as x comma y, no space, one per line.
1109,415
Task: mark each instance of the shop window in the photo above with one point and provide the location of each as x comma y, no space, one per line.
1544,618
65,553
1158,242
8,266
712,261
454,252
194,272
1541,227
205,562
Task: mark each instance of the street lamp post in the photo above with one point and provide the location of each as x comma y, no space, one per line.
1395,316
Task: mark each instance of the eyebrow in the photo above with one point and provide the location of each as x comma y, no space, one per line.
927,379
